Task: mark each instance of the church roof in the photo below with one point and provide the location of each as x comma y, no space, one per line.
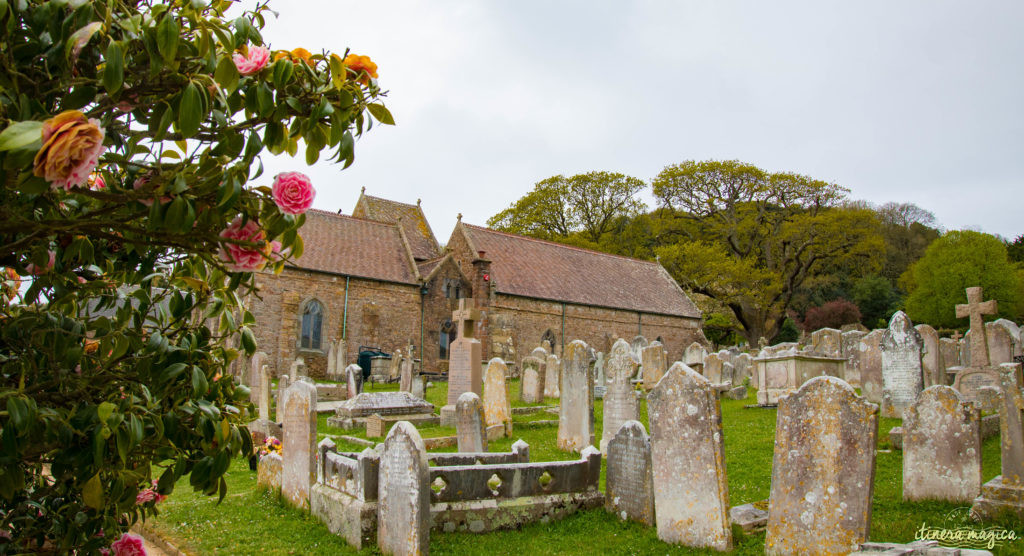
410,217
540,269
354,247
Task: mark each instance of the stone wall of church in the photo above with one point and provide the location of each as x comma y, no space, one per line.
517,325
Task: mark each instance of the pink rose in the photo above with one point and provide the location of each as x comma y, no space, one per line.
293,192
253,62
128,545
239,258
35,271
145,495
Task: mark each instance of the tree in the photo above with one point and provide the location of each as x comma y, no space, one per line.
956,261
585,205
1015,249
833,314
908,230
876,299
751,239
129,135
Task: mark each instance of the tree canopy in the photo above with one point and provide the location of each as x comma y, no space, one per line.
133,200
958,260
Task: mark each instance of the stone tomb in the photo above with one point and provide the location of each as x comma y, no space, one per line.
902,375
691,500
786,371
1004,495
620,404
403,499
629,484
576,407
465,371
397,406
823,470
299,444
941,447
497,407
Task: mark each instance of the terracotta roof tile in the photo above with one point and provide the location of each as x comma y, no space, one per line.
531,267
421,238
355,247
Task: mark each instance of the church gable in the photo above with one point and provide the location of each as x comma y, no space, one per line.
410,218
349,246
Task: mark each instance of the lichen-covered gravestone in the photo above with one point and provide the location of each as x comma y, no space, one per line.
353,380
713,368
694,356
298,448
576,407
620,403
851,352
403,495
941,447
532,384
405,375
902,378
871,366
691,499
1004,495
933,371
255,367
823,470
827,342
470,430
629,484
654,363
332,360
497,408
552,376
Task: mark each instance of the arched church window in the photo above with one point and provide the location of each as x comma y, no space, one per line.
447,337
312,322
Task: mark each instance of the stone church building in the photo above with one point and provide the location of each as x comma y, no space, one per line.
379,278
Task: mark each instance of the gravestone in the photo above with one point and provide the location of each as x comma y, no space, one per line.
417,386
532,385
469,423
264,390
465,373
552,376
332,360
629,484
871,366
298,447
823,470
405,376
353,380
600,382
694,356
902,377
1002,343
255,367
654,363
1004,495
638,344
827,342
950,356
691,498
375,426
497,408
395,365
620,403
403,495
340,360
576,407
713,368
941,447
851,353
743,365
932,368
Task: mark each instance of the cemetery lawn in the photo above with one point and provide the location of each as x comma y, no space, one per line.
250,520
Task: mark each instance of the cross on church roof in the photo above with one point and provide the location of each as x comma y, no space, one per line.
975,309
466,315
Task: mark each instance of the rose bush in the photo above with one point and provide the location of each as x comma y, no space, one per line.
116,353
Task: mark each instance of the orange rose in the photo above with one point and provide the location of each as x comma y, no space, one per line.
362,66
72,145
91,346
298,55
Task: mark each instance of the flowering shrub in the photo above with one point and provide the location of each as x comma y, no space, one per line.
271,446
134,201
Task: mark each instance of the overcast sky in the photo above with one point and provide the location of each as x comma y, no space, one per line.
898,101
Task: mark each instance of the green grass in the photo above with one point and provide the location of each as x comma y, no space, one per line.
252,521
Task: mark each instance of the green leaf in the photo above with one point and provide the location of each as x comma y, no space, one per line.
21,134
167,37
92,492
121,348
190,112
283,70
113,71
175,217
381,113
199,383
337,70
104,410
226,74
248,341
79,97
18,411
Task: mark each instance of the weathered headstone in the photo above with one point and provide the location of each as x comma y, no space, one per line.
417,386
552,376
823,470
941,447
694,356
871,366
354,380
620,403
827,342
255,368
902,377
743,368
403,495
465,372
979,381
654,364
395,364
375,426
932,367
600,383
470,423
851,352
298,447
691,498
264,391
332,360
532,384
297,369
950,356
629,484
405,376
1001,341
1004,495
340,359
576,407
497,407
638,344
713,368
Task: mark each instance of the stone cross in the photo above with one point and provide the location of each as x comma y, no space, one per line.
466,317
975,309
